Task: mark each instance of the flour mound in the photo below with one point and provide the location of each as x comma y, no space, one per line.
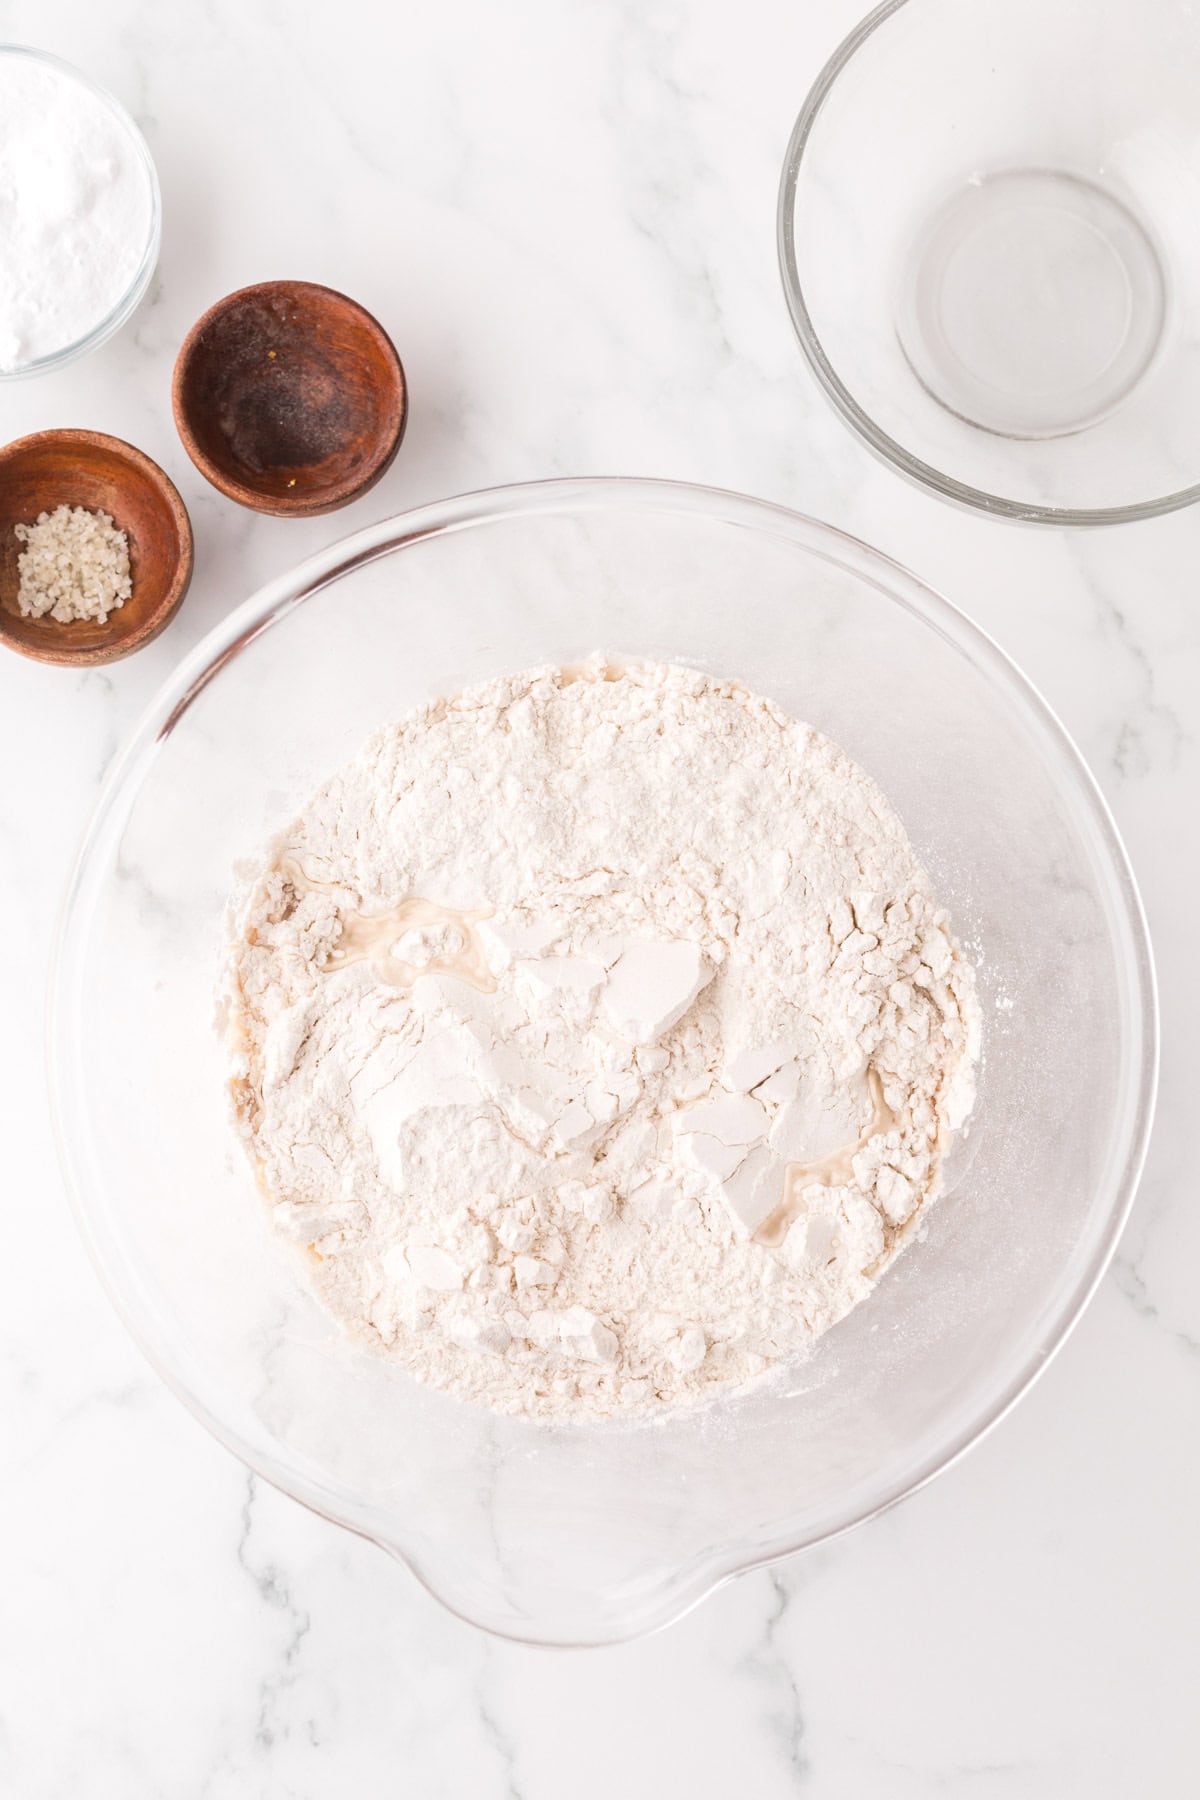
595,1034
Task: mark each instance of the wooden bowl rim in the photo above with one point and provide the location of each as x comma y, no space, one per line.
353,485
57,648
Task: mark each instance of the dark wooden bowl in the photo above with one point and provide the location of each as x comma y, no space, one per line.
290,398
103,474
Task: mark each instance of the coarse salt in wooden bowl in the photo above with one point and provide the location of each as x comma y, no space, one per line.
101,474
290,398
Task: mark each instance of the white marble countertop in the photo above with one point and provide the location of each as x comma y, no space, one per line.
564,213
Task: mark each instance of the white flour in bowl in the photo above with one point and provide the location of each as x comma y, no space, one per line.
597,1037
76,209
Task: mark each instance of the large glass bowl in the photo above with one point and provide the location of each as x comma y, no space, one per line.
988,244
585,1534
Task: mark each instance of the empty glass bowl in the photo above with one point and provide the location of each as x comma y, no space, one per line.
575,1534
988,244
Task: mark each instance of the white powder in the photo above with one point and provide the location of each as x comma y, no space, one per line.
76,206
598,1038
75,566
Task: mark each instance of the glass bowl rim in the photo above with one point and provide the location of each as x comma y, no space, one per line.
123,308
269,605
886,447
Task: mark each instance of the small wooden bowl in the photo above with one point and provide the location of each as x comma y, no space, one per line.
290,398
103,474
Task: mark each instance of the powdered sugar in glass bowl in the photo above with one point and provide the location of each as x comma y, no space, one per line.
80,213
591,1533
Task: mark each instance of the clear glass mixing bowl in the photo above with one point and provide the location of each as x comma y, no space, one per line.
987,238
586,1534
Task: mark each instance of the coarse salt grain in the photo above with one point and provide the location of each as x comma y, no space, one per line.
76,566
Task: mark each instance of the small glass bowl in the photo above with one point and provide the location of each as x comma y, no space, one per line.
987,240
130,299
590,1533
